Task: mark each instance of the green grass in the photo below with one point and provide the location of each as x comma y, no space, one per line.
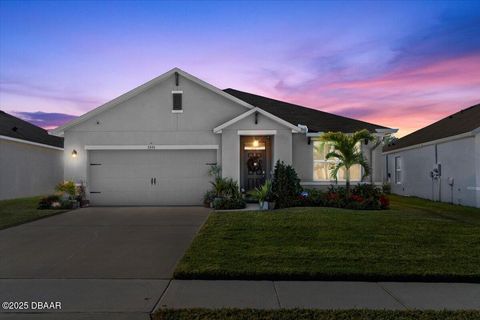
416,240
17,211
296,314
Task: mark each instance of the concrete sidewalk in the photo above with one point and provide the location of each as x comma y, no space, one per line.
136,299
320,295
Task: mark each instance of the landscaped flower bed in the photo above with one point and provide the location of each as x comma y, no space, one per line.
361,197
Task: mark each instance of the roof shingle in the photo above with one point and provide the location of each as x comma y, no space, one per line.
463,121
315,120
14,127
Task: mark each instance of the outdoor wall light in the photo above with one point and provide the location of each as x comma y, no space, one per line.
74,153
255,143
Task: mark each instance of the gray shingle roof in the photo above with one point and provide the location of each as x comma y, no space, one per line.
14,127
463,121
315,120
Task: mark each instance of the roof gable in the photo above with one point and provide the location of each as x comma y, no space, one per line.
315,120
17,128
130,94
252,111
464,121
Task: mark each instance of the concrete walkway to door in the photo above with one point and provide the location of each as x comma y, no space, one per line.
99,262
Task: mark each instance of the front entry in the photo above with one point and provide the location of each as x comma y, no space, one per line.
255,161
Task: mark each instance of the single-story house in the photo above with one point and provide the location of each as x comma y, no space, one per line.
31,160
440,162
154,144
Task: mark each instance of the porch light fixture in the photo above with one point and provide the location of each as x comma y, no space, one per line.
74,153
255,143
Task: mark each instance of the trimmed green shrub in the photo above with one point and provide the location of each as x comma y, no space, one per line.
228,203
285,185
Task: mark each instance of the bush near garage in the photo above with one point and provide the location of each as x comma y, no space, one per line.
224,194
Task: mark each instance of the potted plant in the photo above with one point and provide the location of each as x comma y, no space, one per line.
81,195
261,194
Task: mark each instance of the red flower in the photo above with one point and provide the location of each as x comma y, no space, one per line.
356,198
332,196
384,201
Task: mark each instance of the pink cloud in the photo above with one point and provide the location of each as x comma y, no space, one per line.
407,99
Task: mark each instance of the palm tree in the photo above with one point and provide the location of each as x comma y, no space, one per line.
347,153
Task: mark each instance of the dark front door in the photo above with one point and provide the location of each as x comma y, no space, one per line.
255,161
255,168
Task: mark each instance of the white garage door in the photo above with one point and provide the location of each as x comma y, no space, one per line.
149,177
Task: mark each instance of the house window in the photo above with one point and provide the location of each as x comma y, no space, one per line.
398,170
322,167
177,101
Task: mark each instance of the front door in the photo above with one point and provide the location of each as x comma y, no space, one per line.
256,171
255,161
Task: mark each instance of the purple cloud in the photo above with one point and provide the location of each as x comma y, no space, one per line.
44,119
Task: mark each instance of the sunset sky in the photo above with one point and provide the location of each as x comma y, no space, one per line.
398,64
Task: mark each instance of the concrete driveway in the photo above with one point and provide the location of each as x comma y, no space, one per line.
94,243
128,255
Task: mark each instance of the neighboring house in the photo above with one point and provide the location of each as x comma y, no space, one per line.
31,160
439,162
154,144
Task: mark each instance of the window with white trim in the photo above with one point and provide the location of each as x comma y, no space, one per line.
398,170
322,167
177,101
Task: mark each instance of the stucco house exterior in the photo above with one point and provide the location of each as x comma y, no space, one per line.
440,162
31,160
154,144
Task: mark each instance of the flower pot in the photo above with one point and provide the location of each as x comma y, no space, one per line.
263,205
271,205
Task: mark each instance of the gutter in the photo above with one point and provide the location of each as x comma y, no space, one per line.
30,143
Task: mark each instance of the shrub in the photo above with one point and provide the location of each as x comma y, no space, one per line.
226,187
215,171
48,201
285,186
228,203
384,202
310,198
67,187
208,197
362,197
387,188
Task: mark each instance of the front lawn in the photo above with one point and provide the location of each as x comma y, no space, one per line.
21,210
244,314
416,240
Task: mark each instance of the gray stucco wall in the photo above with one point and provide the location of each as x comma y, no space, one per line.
457,159
303,157
28,170
148,119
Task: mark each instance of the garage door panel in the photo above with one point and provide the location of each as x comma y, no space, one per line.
124,177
